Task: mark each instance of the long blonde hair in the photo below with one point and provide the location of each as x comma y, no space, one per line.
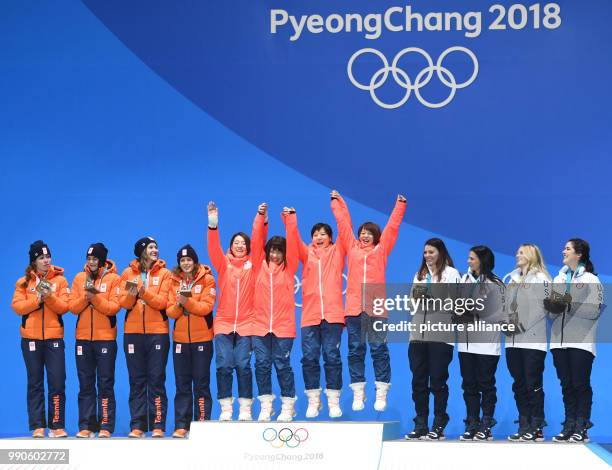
535,260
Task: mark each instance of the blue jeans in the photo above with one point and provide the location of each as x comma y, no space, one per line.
272,349
325,338
359,329
233,352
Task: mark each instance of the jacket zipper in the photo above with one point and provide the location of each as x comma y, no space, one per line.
237,302
363,287
320,290
271,301
43,321
91,322
562,326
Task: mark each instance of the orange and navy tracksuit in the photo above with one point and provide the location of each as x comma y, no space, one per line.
322,312
193,347
274,319
42,345
96,345
146,344
365,282
234,319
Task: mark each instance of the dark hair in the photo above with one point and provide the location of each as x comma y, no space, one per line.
583,248
246,238
178,271
324,226
444,259
487,262
373,228
28,274
280,244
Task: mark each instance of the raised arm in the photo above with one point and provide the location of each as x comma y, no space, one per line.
259,235
343,220
302,248
391,231
293,256
215,252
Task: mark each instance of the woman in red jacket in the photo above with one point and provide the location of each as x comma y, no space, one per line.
41,298
95,299
322,316
237,271
144,295
191,301
367,261
274,322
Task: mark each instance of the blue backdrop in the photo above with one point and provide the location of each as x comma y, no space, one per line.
122,119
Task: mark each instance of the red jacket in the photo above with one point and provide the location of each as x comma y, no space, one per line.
274,291
146,315
42,320
193,320
97,320
366,264
237,280
321,282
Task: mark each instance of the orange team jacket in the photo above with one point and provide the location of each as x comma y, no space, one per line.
321,282
97,320
146,315
237,280
193,321
366,264
42,320
274,291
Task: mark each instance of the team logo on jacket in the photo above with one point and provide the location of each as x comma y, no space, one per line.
248,265
198,289
155,281
102,287
285,437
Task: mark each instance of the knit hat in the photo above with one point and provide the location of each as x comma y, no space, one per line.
38,248
99,251
187,250
141,245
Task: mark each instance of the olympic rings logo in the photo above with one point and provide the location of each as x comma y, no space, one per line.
422,78
286,437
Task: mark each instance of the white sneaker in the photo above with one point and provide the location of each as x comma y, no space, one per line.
358,395
267,411
227,409
244,413
314,402
381,396
287,409
333,403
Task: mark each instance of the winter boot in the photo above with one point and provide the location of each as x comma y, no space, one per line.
358,395
287,409
244,413
381,396
266,410
227,409
314,402
333,403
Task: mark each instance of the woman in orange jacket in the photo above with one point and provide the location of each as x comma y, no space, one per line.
367,261
237,271
322,316
144,295
274,321
41,298
191,300
95,299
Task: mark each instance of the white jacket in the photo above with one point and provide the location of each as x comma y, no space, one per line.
448,277
529,293
578,327
483,342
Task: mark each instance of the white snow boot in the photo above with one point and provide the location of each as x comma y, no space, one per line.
358,395
333,403
287,409
266,411
314,402
227,409
381,396
244,413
